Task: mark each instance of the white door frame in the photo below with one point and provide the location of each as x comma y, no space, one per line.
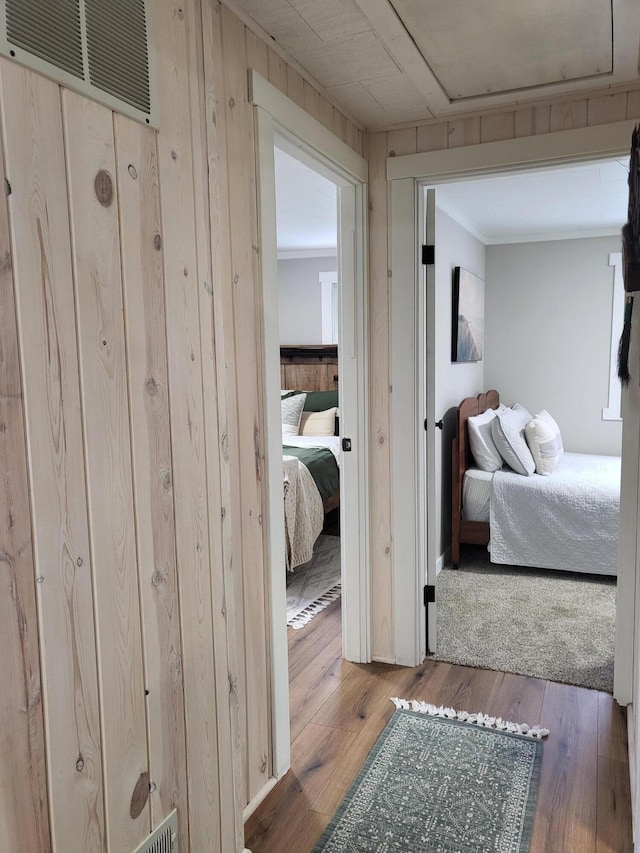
406,174
277,115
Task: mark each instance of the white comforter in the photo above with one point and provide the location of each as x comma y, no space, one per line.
568,520
303,512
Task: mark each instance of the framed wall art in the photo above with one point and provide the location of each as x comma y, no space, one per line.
467,332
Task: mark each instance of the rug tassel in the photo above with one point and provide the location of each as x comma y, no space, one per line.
478,719
305,616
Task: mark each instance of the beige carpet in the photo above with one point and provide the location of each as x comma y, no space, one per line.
553,625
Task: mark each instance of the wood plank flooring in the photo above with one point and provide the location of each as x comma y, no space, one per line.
338,710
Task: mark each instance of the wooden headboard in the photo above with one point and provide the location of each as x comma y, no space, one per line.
462,531
309,367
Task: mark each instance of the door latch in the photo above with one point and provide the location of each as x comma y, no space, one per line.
346,445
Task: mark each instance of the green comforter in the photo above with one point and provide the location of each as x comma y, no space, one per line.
322,466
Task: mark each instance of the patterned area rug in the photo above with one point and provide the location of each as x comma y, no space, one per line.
314,585
435,785
554,625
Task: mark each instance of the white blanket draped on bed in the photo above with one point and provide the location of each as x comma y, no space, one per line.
568,520
303,512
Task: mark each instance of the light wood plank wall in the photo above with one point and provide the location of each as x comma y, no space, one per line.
562,114
132,546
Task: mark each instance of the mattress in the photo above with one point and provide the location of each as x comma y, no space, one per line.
476,494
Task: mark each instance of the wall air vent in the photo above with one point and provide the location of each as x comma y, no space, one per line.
164,839
97,47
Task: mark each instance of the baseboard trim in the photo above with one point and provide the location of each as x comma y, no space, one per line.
442,561
259,797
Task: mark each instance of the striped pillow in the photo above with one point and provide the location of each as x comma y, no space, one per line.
545,442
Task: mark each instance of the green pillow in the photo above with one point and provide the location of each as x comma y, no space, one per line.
320,401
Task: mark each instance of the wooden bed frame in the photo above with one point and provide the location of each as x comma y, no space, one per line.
462,531
311,367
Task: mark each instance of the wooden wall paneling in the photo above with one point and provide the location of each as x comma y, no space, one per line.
340,124
144,313
607,109
568,115
463,131
402,141
326,114
432,137
257,53
218,473
633,106
224,319
530,121
277,71
243,219
295,86
187,421
383,647
91,171
496,126
44,288
23,782
311,100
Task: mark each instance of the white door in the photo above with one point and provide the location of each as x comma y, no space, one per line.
353,407
431,432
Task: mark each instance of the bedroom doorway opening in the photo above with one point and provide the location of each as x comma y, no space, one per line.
287,136
480,163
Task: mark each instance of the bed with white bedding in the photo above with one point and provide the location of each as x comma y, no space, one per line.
567,520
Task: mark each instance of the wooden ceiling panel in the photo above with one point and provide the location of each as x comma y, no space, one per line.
535,44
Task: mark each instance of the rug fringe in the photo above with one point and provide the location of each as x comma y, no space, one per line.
305,616
478,719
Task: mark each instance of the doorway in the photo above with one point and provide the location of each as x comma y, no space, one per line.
281,123
407,176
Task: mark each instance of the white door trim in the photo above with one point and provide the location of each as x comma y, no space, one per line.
276,114
436,167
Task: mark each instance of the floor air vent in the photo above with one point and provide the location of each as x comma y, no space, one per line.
164,839
100,48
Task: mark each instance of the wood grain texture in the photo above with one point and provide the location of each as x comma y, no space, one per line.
99,309
277,68
187,422
24,807
530,121
295,86
249,385
44,287
144,314
223,329
215,418
568,115
432,137
608,108
382,623
403,141
463,131
583,802
496,127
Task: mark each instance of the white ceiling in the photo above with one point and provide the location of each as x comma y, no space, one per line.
579,201
387,62
306,207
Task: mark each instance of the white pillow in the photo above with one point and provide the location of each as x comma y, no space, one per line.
483,447
545,442
291,413
319,423
507,430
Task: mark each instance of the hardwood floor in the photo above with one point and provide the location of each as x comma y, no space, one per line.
338,710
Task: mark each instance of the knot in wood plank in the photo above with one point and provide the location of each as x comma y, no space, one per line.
103,187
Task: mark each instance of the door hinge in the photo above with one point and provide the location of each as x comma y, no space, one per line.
428,255
429,595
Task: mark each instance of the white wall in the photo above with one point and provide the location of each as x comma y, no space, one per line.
300,299
454,247
548,330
